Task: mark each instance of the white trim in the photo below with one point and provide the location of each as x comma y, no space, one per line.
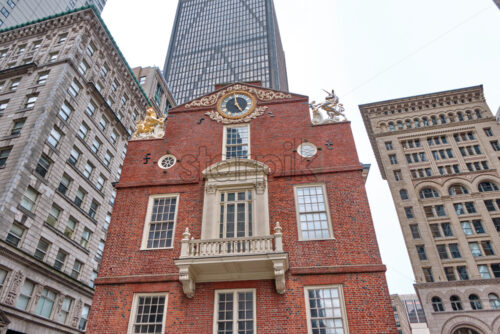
224,138
133,310
327,209
147,220
299,149
235,308
340,290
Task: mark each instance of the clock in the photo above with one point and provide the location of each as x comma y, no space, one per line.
236,105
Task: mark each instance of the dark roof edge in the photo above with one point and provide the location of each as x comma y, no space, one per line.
419,96
96,12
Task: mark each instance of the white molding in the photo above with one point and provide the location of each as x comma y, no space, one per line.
327,209
235,308
340,290
133,309
147,220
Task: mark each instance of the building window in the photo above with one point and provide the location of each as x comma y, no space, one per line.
11,3
148,313
65,111
388,145
90,109
104,70
4,154
409,212
30,101
142,80
107,221
103,123
93,276
114,137
450,273
442,251
29,199
54,137
15,234
16,129
41,249
235,311
454,251
53,56
14,84
462,209
70,228
487,186
42,78
46,303
236,142
60,260
475,303
397,175
114,85
494,301
160,221
89,168
5,13
77,269
24,298
43,165
74,156
83,131
83,67
64,184
90,49
3,106
421,252
457,189
312,212
82,325
415,232
62,38
74,88
94,206
79,197
484,271
437,304
86,235
100,182
64,311
428,193
456,303
325,310
96,144
54,214
158,94
393,159
100,250
403,193
462,273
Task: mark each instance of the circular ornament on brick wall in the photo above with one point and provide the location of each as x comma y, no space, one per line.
167,161
307,150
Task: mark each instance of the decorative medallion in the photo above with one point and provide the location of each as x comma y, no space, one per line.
236,105
307,150
167,161
261,94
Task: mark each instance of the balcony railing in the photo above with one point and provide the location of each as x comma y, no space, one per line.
230,259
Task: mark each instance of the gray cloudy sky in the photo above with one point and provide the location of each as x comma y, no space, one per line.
367,51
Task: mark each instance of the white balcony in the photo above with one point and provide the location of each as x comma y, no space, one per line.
232,259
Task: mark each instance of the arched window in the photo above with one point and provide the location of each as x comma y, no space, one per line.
460,116
465,331
451,116
434,120
425,120
487,186
408,124
456,303
494,301
469,114
457,189
428,193
404,194
400,125
417,122
437,304
391,127
475,302
442,118
478,113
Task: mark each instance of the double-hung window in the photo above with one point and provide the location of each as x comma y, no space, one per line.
24,298
160,221
148,313
236,142
312,212
235,312
46,303
235,214
325,310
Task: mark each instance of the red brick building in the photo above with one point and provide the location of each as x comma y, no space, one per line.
195,245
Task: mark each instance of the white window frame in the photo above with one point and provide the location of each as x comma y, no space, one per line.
135,302
340,290
235,308
297,212
147,221
224,139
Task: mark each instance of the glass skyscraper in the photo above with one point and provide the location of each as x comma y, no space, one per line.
223,41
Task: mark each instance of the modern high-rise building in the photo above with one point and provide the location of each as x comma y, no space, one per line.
15,12
222,41
440,154
68,104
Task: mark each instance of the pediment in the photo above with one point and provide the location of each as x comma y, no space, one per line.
239,167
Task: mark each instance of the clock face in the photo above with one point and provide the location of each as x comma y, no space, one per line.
236,105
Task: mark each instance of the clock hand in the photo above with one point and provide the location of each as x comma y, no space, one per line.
236,103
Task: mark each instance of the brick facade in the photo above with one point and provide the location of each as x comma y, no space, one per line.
350,259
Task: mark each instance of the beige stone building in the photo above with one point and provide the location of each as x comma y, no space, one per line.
440,154
68,104
154,85
409,314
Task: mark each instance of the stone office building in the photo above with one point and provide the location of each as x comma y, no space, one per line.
68,104
440,154
154,85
